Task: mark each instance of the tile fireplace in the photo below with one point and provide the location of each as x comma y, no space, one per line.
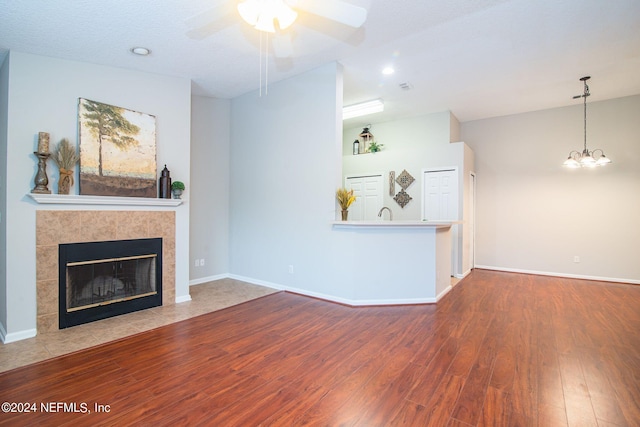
59,227
103,279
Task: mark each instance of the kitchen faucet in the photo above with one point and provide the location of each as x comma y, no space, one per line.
390,213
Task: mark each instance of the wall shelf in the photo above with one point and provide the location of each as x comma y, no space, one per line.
69,199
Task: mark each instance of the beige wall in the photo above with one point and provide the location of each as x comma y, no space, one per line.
534,215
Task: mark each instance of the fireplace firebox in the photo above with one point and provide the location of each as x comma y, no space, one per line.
105,279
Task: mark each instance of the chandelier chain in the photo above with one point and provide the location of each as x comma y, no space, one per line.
587,158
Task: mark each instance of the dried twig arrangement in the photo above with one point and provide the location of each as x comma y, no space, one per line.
65,155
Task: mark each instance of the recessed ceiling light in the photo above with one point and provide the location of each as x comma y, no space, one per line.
387,71
142,51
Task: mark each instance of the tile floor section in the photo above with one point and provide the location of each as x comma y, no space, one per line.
205,298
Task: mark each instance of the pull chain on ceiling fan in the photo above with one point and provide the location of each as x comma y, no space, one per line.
263,14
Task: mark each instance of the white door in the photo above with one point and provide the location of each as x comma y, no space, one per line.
368,192
472,221
440,197
440,202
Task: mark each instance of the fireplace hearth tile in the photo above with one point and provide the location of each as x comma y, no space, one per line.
64,345
132,225
97,226
47,296
162,224
47,323
56,227
22,353
168,297
47,263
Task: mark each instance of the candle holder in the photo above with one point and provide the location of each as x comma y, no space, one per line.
41,180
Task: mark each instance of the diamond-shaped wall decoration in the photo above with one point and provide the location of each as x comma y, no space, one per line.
405,179
402,198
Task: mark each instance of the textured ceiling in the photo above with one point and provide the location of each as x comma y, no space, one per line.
477,58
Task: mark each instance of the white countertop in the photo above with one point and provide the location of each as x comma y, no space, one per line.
400,223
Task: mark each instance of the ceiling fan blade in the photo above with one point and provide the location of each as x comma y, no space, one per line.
282,45
210,21
335,10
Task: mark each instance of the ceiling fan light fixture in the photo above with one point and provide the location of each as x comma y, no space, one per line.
265,24
249,11
260,14
285,15
362,109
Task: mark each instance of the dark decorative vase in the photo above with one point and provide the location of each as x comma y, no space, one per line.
345,214
165,184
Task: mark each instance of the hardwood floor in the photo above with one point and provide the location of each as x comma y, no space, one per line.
501,349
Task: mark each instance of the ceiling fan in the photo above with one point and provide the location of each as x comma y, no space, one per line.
273,17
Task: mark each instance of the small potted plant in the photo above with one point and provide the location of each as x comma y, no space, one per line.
374,147
345,199
177,187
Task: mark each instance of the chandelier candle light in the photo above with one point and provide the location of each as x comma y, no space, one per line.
589,159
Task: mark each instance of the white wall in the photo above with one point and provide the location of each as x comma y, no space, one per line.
286,151
466,237
209,196
285,168
412,144
534,215
4,108
43,96
415,144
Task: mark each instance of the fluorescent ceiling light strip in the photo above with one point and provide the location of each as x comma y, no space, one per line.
362,109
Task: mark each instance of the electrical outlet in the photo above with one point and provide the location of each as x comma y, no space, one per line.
576,258
201,262
291,269
197,263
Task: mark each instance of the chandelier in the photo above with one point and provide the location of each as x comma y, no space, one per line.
586,158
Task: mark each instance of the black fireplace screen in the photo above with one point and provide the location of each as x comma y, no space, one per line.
104,279
91,283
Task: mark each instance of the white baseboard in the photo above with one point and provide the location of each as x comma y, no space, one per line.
16,336
183,298
339,300
555,274
443,293
463,275
208,279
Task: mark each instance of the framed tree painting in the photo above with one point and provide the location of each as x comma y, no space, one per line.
117,151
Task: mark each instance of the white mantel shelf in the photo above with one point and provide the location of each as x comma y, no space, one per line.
392,224
69,199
